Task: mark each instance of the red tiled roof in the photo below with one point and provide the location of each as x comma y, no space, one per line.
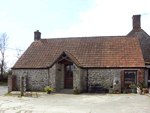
111,51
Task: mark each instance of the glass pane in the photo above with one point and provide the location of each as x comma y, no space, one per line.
69,71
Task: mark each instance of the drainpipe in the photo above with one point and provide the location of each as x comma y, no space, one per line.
87,86
48,76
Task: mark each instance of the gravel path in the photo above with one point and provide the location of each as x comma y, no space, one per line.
69,103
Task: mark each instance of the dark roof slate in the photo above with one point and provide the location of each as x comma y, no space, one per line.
144,40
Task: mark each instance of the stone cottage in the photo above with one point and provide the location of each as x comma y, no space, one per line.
65,63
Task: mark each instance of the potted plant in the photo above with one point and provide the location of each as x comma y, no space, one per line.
133,88
114,92
143,87
145,90
94,84
76,90
48,89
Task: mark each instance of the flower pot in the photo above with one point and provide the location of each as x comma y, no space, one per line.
124,91
145,90
129,91
48,92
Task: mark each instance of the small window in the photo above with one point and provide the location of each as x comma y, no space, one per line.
129,78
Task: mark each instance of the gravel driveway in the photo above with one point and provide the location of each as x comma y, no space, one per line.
83,103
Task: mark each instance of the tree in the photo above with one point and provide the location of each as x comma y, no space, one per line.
19,52
3,46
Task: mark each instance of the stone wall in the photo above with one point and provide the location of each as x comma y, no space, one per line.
104,77
95,76
59,77
79,79
84,80
52,79
56,80
36,79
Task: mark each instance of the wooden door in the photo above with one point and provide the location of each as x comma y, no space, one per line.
69,76
129,78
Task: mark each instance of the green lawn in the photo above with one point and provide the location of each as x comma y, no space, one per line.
5,83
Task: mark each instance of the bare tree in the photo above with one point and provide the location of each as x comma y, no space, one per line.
3,46
19,52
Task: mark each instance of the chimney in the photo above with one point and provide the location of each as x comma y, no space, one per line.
136,21
37,35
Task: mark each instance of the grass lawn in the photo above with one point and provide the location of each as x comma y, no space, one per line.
3,83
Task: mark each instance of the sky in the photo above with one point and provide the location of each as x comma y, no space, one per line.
67,18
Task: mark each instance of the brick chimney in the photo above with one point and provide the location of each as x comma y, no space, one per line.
136,21
37,35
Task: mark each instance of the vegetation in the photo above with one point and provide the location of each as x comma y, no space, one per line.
48,89
132,86
3,83
76,90
7,94
3,47
142,84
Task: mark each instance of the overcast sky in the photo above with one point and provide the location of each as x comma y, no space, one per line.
68,18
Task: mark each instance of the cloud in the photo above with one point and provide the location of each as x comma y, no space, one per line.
110,17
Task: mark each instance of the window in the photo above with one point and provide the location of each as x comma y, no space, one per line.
129,78
69,71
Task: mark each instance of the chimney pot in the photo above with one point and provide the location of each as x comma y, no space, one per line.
136,21
37,35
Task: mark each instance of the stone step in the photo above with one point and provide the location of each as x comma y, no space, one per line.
66,91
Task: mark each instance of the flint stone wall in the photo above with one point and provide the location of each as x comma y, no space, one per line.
103,76
56,80
36,79
79,79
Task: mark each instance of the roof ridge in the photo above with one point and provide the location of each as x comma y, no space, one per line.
87,37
